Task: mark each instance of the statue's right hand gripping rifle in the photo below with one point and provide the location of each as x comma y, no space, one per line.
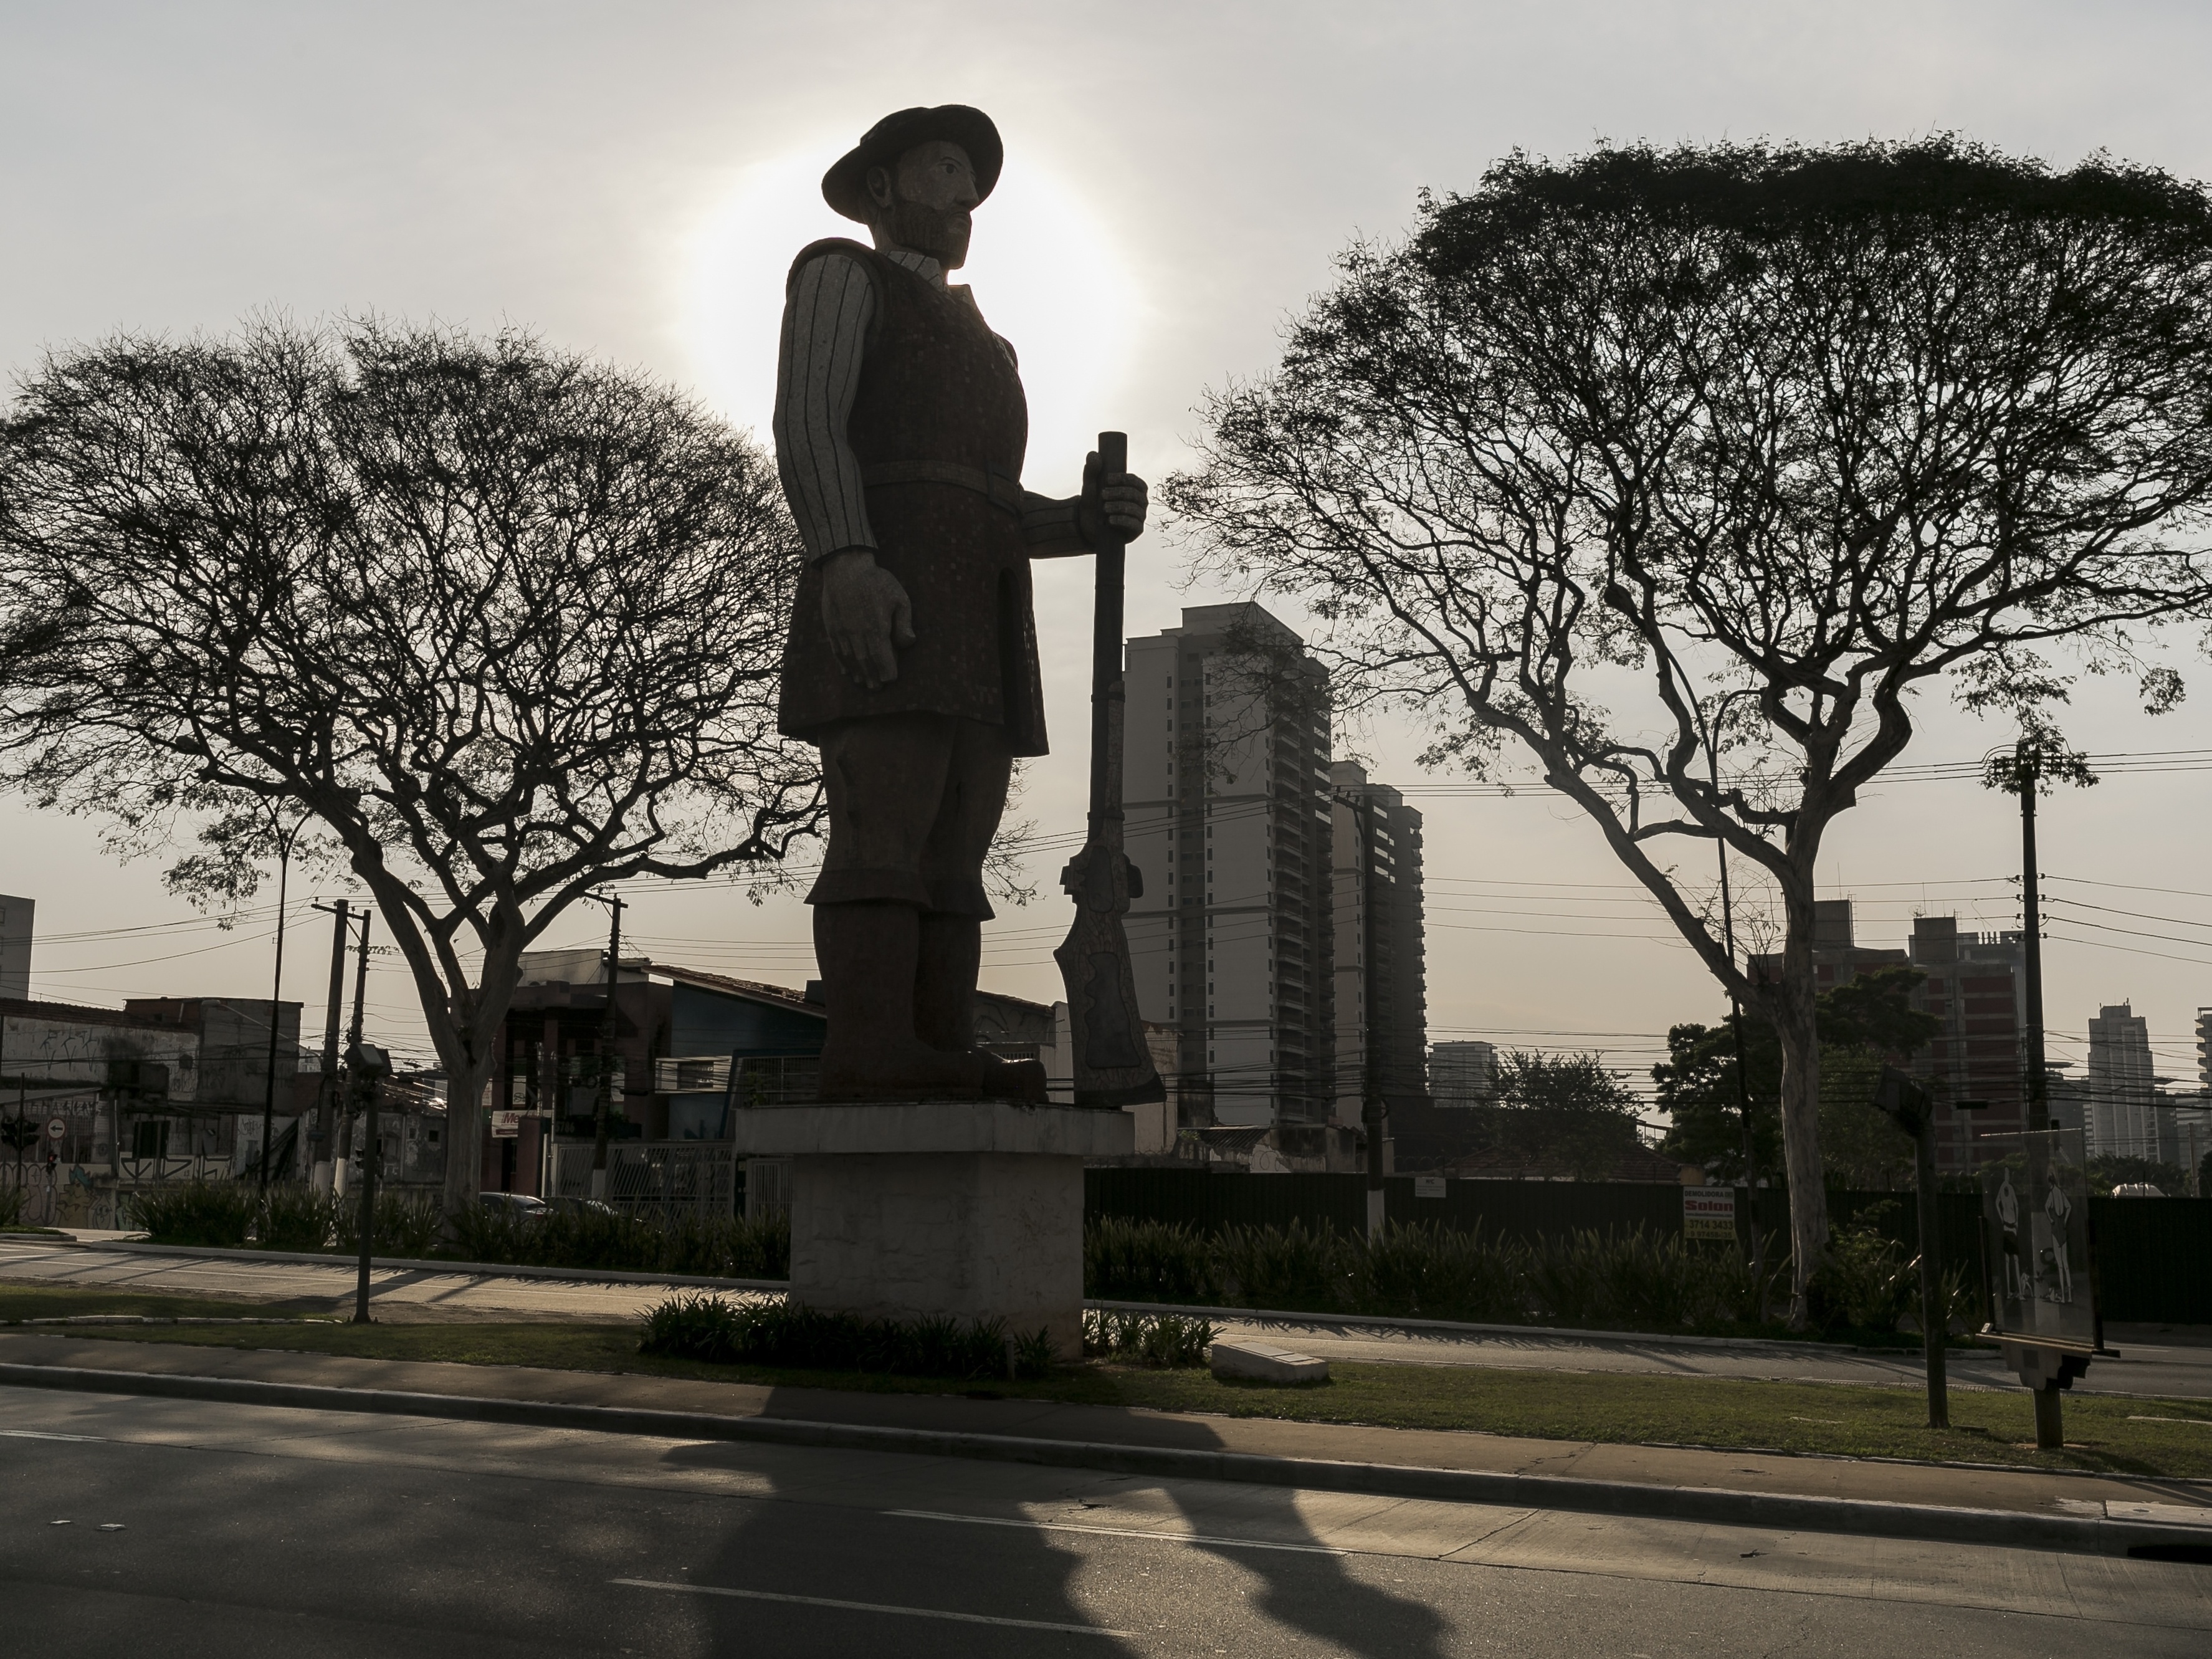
1113,1064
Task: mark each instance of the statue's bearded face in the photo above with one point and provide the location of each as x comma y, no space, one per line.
924,202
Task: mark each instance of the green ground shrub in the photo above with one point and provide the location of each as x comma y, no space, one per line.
296,1218
775,1332
1148,1261
1298,1266
1866,1283
220,1213
407,1224
1162,1341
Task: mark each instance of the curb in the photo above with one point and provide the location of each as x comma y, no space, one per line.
1266,1315
1860,1516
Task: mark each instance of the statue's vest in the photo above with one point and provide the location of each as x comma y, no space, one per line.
940,426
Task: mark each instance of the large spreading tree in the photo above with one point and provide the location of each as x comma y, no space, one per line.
1676,474
500,623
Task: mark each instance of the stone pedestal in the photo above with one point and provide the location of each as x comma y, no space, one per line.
972,1209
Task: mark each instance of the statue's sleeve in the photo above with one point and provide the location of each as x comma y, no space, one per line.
825,330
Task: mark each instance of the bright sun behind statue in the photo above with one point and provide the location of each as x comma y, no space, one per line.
1045,275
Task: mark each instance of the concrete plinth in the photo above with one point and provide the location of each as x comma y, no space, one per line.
971,1209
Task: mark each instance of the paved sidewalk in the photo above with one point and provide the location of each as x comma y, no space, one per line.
400,1293
2157,1367
2019,1491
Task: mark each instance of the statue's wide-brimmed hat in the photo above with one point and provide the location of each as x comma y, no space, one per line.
845,186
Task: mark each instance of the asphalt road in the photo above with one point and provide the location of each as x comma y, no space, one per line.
159,1527
2149,1363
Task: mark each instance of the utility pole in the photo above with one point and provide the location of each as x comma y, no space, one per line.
327,1092
342,1181
2038,756
276,1011
2027,771
603,1100
367,1066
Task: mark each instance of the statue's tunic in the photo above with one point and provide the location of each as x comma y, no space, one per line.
938,425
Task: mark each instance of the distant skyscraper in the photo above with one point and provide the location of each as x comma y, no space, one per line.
16,918
1462,1073
2122,1123
1379,948
1227,795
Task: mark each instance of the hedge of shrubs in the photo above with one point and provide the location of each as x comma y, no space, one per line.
773,1333
1619,1281
728,1247
231,1214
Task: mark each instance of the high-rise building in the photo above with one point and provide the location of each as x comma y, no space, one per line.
16,919
2121,1120
1973,984
1378,945
1230,820
1976,986
1462,1074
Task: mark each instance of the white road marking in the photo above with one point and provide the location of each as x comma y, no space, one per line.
40,1434
1119,1532
868,1606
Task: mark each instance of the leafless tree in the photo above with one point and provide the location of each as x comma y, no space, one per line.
505,622
1680,472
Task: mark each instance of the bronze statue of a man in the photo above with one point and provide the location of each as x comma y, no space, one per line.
900,429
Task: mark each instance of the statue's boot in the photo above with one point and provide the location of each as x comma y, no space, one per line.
867,953
949,957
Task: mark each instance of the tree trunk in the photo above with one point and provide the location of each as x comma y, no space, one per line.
1791,1005
465,1138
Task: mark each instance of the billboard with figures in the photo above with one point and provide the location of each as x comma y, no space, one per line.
2035,1221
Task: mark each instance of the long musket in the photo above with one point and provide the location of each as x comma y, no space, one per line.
1113,1065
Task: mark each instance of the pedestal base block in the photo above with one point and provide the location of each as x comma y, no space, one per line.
970,1235
972,1210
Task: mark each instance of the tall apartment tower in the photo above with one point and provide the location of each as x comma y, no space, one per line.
2122,1121
16,919
1463,1074
1382,983
1228,818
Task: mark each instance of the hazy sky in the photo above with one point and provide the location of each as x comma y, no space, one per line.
633,180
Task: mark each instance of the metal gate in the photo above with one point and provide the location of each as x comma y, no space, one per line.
671,1180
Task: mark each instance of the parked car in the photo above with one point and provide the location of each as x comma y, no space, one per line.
516,1207
583,1207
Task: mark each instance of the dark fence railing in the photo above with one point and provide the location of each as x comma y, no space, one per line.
2154,1254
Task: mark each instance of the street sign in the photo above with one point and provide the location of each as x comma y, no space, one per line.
57,1129
1709,1212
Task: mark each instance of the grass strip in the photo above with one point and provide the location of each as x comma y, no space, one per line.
2136,1436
